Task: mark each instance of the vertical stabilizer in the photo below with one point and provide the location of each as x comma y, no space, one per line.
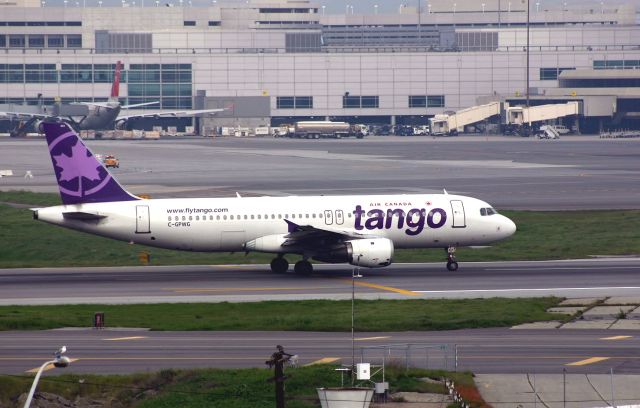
81,177
115,87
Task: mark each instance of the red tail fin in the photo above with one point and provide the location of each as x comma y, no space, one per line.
115,87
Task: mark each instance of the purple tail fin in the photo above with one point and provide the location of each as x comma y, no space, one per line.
81,177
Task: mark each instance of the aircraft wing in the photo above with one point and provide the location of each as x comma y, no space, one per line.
169,114
24,115
302,235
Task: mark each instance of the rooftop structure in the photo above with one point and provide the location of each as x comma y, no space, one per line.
276,61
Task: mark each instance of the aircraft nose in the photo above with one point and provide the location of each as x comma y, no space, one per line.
506,227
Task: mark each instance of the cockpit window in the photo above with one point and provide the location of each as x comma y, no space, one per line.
487,211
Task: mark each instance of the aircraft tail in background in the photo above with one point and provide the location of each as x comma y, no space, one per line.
115,87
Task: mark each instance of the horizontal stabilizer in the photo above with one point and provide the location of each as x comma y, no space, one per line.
82,215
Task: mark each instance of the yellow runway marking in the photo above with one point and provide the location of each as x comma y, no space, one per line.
126,338
388,288
373,338
325,360
47,368
616,338
196,290
588,361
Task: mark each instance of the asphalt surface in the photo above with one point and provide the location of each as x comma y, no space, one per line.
246,283
576,172
481,351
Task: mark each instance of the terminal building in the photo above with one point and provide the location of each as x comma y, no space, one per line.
279,61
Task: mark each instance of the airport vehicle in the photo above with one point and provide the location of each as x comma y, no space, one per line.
111,161
326,129
359,230
548,132
100,116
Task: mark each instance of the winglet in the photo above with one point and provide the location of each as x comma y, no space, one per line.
81,177
445,191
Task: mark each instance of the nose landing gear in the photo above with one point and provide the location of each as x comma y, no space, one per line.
452,265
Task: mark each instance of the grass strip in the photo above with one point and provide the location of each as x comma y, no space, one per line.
310,315
240,388
541,235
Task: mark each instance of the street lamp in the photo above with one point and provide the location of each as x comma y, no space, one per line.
483,4
59,361
323,7
375,9
537,6
99,3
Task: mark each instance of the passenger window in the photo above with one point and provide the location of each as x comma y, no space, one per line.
218,217
307,215
184,218
273,216
279,216
313,215
320,215
169,218
225,217
197,218
190,218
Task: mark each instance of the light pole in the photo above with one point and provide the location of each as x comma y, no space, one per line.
323,7
355,274
375,9
59,361
528,44
483,4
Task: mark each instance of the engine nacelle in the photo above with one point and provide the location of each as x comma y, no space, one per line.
268,243
369,252
121,125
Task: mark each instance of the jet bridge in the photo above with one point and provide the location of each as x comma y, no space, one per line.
454,123
521,115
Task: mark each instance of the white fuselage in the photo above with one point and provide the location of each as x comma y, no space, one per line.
227,224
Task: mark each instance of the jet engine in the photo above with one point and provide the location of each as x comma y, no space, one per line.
369,252
121,125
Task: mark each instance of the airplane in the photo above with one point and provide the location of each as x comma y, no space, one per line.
360,230
102,116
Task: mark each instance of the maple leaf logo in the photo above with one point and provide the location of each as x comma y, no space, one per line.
79,164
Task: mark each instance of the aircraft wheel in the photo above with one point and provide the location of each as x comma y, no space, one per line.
279,265
303,268
452,266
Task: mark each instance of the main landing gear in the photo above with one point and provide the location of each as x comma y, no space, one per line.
281,265
303,267
452,265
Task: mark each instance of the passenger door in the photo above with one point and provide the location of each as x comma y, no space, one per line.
457,209
143,223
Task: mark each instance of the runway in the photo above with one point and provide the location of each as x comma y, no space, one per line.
480,351
576,172
247,283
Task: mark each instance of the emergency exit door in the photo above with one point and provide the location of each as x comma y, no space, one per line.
457,209
143,224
